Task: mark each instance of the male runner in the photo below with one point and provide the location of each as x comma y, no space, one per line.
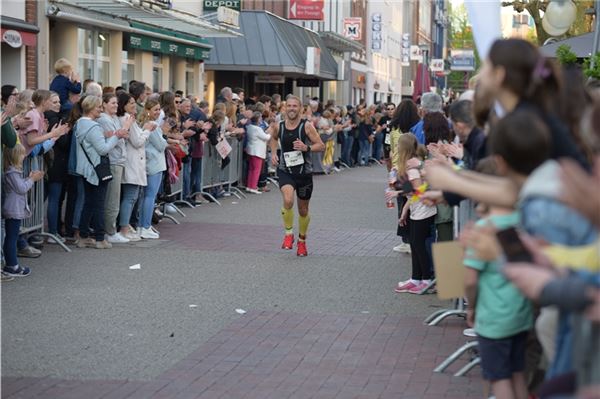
297,138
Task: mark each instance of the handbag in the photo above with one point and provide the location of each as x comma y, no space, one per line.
102,169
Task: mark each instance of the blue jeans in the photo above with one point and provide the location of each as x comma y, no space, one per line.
347,148
79,202
93,210
129,196
186,173
378,146
11,228
54,191
149,198
196,175
364,151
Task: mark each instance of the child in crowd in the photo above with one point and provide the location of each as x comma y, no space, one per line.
14,205
501,315
422,217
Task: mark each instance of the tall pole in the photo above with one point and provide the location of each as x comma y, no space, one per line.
595,48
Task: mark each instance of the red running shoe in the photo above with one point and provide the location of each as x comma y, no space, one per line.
302,249
288,242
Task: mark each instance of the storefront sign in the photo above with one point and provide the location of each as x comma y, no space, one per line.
213,5
141,42
228,16
307,82
12,38
462,60
353,28
306,10
405,49
436,65
416,54
279,79
376,32
313,60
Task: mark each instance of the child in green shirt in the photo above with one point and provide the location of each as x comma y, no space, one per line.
501,315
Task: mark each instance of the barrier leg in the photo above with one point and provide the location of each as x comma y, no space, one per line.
342,163
184,202
209,195
179,211
273,181
237,192
375,160
438,316
453,357
167,216
468,367
55,239
434,315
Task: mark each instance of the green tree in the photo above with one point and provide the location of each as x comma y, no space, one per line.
460,36
537,7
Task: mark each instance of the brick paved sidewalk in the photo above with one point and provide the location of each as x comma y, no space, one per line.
281,355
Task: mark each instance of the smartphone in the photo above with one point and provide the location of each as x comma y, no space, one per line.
407,187
513,247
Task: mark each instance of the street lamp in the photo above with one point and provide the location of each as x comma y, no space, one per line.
559,16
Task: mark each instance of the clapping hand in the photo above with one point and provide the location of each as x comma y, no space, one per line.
36,175
188,124
151,126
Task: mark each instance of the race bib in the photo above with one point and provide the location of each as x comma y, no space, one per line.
293,158
388,139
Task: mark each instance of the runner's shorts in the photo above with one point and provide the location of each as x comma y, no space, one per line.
303,184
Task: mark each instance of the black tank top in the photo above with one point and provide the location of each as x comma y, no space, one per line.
286,143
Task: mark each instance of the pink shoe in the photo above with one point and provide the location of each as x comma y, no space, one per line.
418,289
405,286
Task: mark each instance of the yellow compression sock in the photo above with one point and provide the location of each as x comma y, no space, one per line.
288,220
303,222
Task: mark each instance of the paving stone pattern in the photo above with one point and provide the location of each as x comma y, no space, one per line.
277,355
260,239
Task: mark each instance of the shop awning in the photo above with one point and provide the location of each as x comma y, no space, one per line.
16,32
270,44
580,45
175,23
339,43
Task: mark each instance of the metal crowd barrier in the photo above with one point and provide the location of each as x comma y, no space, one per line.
463,214
34,224
212,174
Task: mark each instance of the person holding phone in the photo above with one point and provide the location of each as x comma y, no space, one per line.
500,314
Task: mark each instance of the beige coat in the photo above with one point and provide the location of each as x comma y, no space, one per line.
135,165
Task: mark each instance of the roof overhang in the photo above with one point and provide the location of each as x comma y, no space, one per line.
17,24
580,45
270,44
123,13
339,43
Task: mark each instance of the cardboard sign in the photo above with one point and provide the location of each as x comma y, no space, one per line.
223,148
449,270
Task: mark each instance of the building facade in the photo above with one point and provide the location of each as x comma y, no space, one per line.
19,37
153,41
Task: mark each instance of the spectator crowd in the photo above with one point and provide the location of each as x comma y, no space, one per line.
523,143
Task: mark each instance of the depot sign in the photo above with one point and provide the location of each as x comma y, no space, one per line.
311,10
213,5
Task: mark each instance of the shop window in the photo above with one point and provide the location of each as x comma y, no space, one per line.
127,68
157,72
94,53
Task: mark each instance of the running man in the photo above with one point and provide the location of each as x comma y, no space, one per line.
297,138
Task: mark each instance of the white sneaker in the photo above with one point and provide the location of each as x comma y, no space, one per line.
171,209
253,191
402,248
148,234
158,212
336,169
132,236
117,238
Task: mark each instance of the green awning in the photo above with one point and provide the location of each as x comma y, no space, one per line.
147,43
